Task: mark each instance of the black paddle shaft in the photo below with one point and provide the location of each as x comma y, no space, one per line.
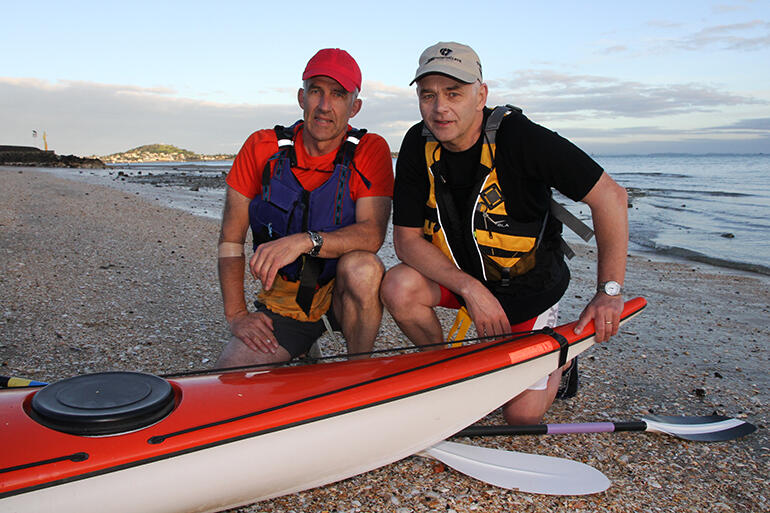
553,429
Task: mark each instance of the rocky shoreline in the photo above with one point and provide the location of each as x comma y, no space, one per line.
29,156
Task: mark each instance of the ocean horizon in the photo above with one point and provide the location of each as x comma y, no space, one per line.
711,208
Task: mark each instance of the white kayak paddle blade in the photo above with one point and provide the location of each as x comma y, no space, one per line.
713,428
530,473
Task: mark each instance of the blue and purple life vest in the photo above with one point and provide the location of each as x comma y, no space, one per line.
285,207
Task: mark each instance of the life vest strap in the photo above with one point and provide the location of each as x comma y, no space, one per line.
347,151
348,148
571,221
566,250
495,120
285,136
563,344
308,282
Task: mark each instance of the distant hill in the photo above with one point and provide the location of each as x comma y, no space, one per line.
160,153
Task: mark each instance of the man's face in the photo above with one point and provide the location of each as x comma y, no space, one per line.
327,107
452,110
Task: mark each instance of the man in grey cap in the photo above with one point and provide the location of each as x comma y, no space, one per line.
474,224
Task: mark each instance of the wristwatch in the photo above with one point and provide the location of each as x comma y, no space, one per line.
317,241
611,288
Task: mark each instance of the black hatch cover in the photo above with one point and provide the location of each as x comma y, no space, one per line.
104,403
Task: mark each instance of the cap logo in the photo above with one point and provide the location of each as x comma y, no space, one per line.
454,60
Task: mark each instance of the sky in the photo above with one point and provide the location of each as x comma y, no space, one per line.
613,77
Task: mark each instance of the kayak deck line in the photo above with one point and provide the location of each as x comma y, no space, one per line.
76,457
563,346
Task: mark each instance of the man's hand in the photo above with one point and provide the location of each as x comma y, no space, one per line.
255,330
486,312
605,311
271,256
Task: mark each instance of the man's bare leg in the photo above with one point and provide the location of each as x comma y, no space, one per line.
530,406
410,298
357,304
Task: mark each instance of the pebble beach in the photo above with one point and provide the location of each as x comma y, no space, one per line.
96,278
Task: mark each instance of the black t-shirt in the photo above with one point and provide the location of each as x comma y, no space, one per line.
530,160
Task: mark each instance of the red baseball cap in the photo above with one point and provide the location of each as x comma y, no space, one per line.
337,64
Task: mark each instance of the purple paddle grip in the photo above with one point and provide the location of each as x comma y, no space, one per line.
593,427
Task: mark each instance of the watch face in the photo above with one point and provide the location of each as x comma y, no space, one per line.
612,288
318,241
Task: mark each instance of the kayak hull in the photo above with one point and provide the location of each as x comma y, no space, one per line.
240,437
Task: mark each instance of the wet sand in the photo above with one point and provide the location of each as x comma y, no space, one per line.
96,278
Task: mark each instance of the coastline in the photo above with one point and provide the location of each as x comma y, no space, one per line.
197,187
98,278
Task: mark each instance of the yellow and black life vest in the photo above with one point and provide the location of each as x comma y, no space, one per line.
498,246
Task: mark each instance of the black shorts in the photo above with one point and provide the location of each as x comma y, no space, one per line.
297,336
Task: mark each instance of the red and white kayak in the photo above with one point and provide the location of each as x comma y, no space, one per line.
135,442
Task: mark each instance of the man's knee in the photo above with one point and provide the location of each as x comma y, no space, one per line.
400,285
527,408
360,270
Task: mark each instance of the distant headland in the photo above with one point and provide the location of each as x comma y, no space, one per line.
31,156
160,153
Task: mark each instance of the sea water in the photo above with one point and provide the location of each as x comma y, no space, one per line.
706,208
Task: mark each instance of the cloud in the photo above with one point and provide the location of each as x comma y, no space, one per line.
388,111
753,128
86,118
566,96
615,49
645,139
664,24
743,136
724,8
756,124
748,36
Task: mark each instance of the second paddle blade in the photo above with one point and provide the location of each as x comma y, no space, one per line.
531,473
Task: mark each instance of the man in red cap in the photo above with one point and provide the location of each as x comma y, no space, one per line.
317,198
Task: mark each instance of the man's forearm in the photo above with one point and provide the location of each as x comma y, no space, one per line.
357,236
609,210
231,273
366,234
611,227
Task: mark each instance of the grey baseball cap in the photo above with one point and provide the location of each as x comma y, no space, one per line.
452,59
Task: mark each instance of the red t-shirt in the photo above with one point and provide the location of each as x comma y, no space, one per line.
372,158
